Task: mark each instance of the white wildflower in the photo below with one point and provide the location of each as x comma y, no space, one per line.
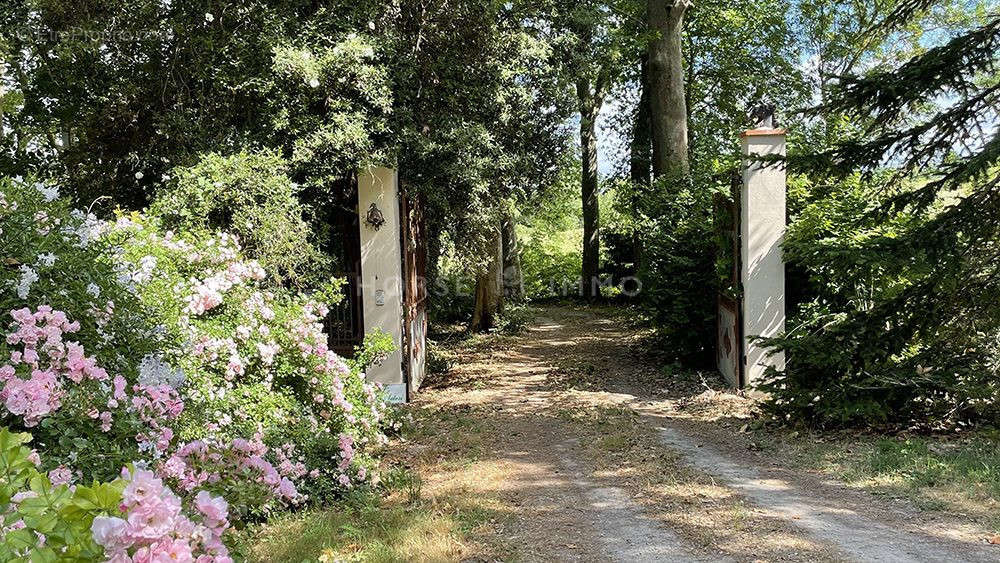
28,277
47,259
154,371
89,229
314,83
209,17
94,290
146,266
49,193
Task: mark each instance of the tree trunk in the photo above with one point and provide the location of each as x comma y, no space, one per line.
640,154
489,288
589,108
513,278
668,111
640,148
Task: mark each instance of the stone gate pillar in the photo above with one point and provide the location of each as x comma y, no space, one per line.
762,231
381,271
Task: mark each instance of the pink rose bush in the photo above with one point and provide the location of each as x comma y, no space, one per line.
259,369
44,369
240,470
125,345
134,518
154,526
72,328
46,360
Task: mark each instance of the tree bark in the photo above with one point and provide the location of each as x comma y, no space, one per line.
640,152
640,148
513,278
668,110
489,288
590,106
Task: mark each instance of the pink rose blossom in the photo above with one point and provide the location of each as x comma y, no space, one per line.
61,476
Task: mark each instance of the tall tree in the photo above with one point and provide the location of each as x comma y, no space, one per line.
590,98
513,277
640,137
590,38
668,110
489,296
734,55
483,114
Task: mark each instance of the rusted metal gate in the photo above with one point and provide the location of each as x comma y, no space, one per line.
345,324
729,347
414,290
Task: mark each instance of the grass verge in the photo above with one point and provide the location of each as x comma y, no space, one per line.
452,512
387,532
953,474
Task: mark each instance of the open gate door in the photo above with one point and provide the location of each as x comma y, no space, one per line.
414,290
729,309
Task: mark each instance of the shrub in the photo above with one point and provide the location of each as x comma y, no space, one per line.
199,370
256,362
439,361
134,517
679,283
514,319
551,261
248,195
861,306
68,363
550,234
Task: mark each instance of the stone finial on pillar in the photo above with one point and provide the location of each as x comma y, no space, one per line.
762,231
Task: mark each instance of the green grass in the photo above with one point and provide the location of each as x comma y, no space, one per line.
403,527
399,533
414,521
954,474
919,463
613,442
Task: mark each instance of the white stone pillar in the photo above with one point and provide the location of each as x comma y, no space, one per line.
762,231
382,272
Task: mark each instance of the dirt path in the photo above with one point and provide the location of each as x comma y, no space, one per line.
591,453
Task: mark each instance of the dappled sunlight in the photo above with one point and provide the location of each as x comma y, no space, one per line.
528,396
562,430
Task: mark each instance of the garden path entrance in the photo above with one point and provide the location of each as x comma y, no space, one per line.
589,451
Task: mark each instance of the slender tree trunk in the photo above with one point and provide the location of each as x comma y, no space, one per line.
489,288
668,111
513,278
589,108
